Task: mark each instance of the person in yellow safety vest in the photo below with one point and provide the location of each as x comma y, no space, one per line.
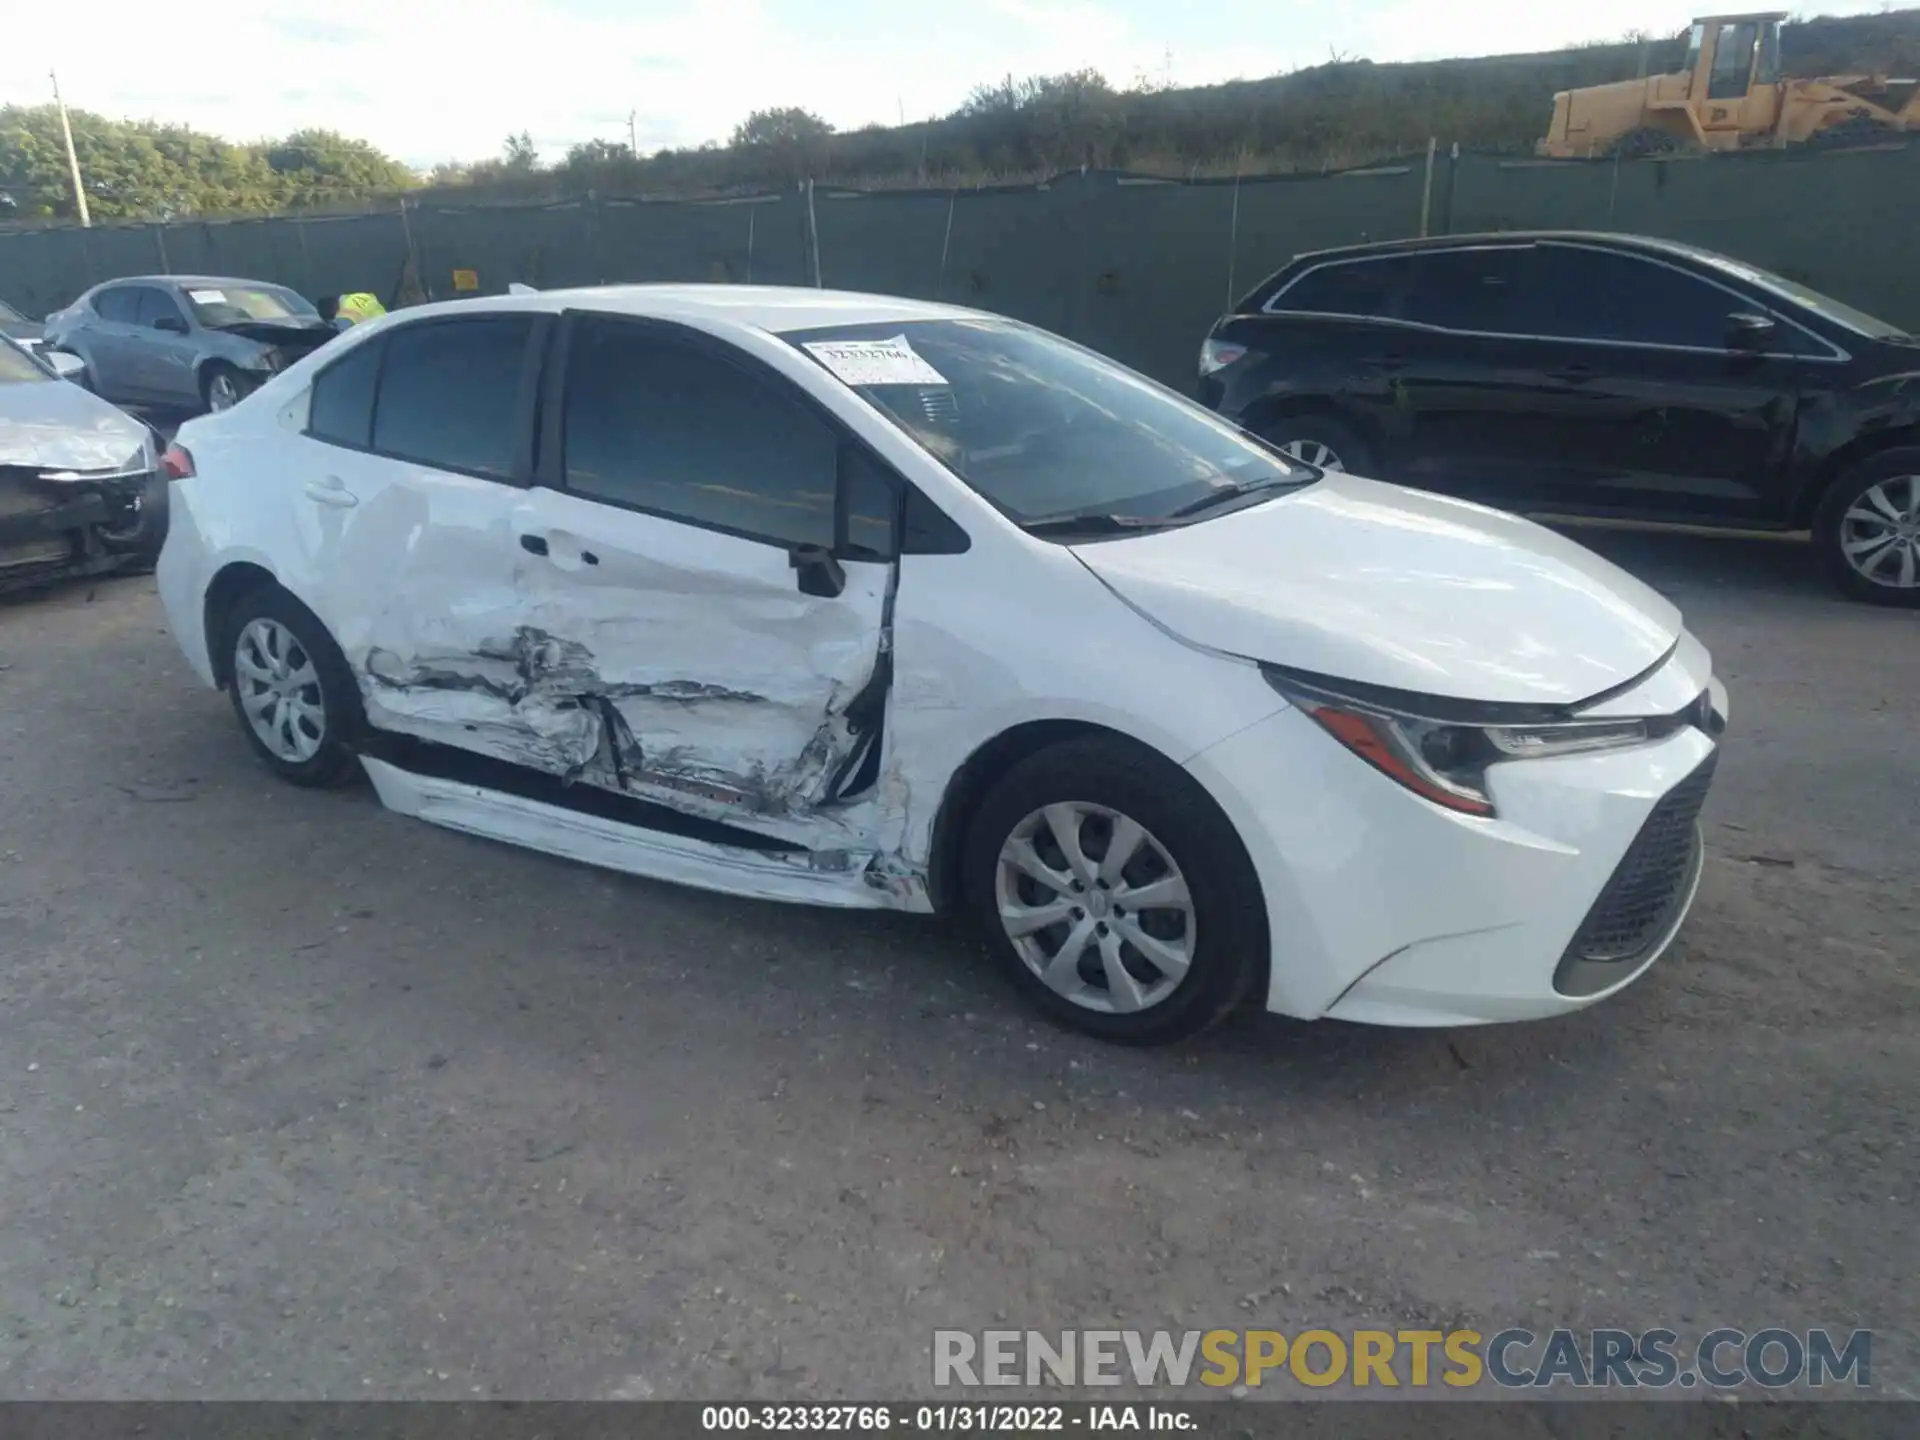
345,311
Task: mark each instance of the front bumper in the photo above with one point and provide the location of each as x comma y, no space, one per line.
1389,910
53,529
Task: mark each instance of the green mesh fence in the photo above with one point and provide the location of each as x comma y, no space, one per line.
1135,266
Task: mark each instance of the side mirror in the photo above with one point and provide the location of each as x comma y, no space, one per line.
820,574
1749,332
171,323
67,367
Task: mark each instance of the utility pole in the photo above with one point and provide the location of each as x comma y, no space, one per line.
73,160
633,141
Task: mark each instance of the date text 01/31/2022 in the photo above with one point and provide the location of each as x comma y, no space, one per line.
944,1418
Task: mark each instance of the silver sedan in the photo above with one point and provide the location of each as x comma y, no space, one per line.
185,341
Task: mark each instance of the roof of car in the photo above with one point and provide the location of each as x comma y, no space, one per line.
1650,243
207,280
775,308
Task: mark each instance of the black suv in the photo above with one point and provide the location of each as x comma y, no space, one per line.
1591,375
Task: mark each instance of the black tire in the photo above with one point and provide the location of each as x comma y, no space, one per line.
1833,532
1315,432
1229,929
218,372
1643,144
333,761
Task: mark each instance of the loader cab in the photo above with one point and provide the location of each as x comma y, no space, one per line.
1728,55
1733,66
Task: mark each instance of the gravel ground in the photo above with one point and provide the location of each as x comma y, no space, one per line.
302,1099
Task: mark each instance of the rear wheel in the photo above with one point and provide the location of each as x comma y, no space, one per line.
291,689
1319,440
1867,529
1115,892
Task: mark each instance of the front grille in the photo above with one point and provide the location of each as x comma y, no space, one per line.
1643,897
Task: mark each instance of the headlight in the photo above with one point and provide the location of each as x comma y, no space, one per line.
1443,755
142,462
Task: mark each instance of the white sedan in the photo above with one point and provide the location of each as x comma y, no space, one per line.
868,602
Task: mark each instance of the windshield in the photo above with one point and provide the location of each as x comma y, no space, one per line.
1825,306
1042,428
219,305
16,366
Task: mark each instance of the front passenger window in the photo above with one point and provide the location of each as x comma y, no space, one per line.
1577,293
156,305
672,428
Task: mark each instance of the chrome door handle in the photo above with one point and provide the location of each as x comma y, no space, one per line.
329,491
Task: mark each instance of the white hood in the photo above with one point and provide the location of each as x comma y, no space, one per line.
1358,580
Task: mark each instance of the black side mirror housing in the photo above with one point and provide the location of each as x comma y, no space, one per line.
171,323
1748,331
819,573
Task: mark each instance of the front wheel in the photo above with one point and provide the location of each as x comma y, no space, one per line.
1867,530
224,387
1115,892
291,689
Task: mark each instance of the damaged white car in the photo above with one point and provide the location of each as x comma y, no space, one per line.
868,602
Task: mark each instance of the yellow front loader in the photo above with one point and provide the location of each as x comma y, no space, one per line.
1731,96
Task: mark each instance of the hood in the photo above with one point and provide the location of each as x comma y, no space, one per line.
1358,580
55,425
300,337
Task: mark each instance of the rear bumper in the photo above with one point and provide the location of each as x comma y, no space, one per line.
183,573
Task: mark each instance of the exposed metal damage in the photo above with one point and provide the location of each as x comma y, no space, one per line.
542,701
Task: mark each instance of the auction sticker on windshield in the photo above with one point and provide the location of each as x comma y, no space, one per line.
207,297
875,362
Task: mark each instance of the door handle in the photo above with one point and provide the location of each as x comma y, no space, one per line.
534,544
328,490
1572,374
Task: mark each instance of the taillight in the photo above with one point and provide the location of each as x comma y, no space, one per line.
1218,354
177,462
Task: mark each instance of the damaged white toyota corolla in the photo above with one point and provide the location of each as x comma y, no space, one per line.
870,602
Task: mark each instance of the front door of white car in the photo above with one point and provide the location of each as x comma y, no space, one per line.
704,583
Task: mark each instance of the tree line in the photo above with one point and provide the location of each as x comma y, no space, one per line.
1342,113
142,170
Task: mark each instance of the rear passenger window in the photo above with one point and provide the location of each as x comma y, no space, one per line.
449,393
1360,288
122,306
1580,294
670,428
1465,289
341,408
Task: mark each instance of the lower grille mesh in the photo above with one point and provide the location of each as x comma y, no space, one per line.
1648,887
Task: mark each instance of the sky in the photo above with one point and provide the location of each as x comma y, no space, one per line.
433,80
